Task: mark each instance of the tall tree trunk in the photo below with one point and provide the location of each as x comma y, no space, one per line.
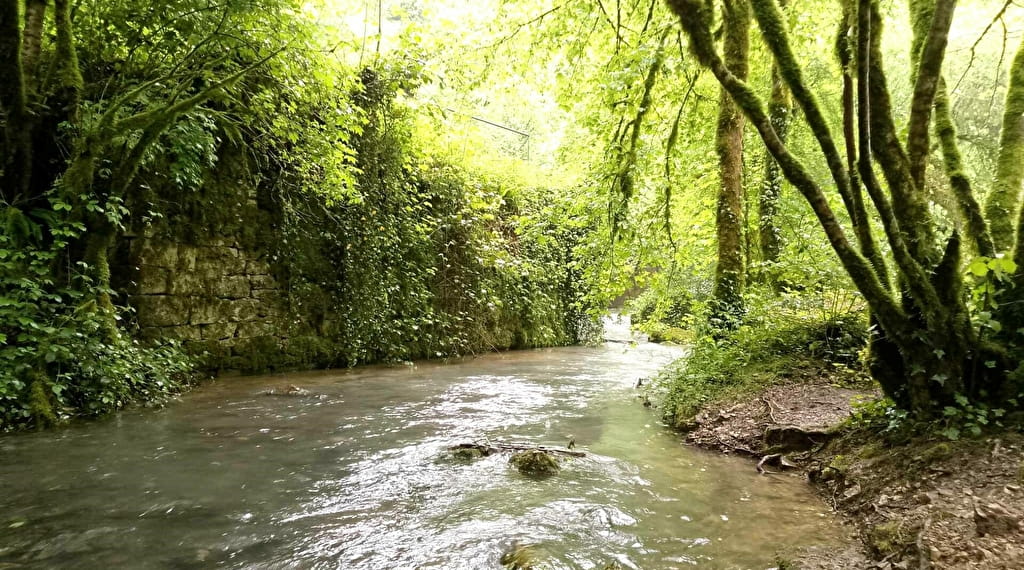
68,75
35,14
16,145
1004,200
779,111
727,305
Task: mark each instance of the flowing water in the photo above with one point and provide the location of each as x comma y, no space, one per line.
358,476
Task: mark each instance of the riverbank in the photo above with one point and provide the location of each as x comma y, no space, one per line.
915,501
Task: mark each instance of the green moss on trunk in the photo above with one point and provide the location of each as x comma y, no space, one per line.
727,306
1004,201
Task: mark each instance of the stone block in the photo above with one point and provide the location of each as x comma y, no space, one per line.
160,310
185,332
217,262
257,267
153,280
270,298
218,331
231,287
260,281
187,256
158,254
188,284
243,310
254,329
208,310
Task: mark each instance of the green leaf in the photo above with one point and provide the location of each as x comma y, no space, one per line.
979,267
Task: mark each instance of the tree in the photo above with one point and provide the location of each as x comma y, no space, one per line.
927,351
769,233
727,304
1005,197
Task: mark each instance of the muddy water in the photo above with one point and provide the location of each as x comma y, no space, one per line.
359,478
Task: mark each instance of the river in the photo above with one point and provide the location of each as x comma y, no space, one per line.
357,476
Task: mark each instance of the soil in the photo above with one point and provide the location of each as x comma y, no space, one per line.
926,503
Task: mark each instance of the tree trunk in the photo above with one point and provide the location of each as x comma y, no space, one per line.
779,111
16,146
727,304
1003,202
68,90
35,14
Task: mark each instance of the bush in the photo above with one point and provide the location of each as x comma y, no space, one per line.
59,358
776,338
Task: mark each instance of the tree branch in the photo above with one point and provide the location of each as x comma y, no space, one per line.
695,18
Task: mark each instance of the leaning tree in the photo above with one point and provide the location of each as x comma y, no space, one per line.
936,339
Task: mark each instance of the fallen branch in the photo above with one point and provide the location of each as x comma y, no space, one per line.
497,447
775,459
771,412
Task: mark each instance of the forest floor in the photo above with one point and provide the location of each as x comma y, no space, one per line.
924,502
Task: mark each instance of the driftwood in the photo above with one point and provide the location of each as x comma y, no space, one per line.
776,459
497,447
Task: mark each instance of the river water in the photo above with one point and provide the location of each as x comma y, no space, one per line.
358,477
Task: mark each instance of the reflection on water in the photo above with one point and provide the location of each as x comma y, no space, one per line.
358,477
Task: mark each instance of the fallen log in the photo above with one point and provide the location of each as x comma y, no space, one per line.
497,447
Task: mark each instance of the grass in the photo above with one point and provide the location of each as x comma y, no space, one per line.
780,348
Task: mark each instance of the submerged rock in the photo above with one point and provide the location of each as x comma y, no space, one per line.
534,462
518,557
467,454
292,390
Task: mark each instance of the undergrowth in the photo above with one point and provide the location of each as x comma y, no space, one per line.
788,339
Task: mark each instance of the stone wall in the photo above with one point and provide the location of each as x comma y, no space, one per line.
218,297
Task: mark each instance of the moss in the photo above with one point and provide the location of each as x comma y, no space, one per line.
871,450
886,539
467,454
535,462
40,403
937,452
658,332
1003,202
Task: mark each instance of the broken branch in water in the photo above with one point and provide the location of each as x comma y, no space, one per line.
496,447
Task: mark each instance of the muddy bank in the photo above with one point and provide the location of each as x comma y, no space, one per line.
921,503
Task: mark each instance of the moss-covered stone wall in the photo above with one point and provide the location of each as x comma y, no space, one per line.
217,297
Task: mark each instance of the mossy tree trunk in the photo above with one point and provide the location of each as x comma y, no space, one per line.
769,232
1004,201
925,334
16,145
727,302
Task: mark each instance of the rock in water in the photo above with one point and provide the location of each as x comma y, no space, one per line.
467,454
534,462
518,557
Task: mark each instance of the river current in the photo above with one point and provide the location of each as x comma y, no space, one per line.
357,476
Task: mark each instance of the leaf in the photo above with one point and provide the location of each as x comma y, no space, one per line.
979,267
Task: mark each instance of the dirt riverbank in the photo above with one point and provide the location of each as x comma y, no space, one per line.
921,503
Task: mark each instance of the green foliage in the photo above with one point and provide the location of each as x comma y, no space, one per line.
56,361
779,338
425,259
964,419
